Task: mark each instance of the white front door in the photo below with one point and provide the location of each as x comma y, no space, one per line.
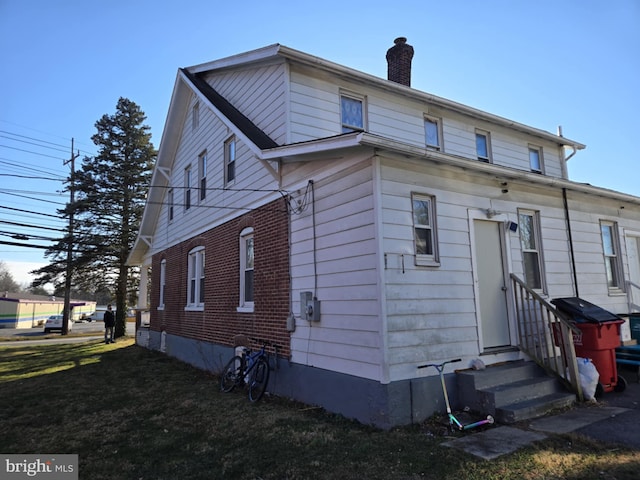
492,286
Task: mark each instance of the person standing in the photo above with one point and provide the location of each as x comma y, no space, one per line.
109,324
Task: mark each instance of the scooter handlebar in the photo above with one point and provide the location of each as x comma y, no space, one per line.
440,365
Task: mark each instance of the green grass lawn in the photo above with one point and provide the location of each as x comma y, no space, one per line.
130,413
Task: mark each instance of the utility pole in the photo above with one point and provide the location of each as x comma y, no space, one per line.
66,313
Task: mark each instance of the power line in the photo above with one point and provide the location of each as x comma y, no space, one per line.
44,133
31,211
34,153
30,143
8,161
31,198
6,222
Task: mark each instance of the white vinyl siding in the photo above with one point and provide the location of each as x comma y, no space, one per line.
260,94
251,188
347,337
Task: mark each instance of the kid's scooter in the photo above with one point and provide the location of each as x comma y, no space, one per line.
453,421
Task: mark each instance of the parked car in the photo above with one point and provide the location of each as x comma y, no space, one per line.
54,322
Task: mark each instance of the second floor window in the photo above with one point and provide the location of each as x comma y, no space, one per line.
529,226
483,146
535,159
432,133
187,188
202,167
230,161
352,114
612,262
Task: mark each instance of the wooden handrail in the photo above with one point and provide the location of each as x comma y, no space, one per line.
546,335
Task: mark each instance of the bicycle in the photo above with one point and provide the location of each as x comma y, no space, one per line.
453,421
250,368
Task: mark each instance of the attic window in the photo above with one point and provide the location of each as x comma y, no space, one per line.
195,116
352,113
230,161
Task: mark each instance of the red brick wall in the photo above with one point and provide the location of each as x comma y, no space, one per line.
220,320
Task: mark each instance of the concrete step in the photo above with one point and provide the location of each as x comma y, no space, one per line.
497,396
533,408
499,374
512,391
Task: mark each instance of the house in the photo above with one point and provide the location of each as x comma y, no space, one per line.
364,226
26,310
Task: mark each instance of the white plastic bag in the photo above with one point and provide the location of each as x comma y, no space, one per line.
589,377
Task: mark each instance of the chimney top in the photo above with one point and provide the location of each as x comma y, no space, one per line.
399,62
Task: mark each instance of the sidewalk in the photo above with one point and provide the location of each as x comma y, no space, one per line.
613,419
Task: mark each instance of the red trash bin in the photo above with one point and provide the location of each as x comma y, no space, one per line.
599,342
599,337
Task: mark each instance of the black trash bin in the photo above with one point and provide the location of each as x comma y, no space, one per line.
600,336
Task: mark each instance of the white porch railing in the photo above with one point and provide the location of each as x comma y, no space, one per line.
546,335
633,296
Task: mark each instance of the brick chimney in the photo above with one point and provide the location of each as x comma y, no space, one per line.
399,62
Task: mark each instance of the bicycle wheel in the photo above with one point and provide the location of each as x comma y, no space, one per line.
232,374
258,379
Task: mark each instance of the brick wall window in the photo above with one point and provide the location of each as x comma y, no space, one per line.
195,279
246,270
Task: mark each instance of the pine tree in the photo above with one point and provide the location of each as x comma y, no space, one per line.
110,191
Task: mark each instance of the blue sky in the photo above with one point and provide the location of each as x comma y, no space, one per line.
544,63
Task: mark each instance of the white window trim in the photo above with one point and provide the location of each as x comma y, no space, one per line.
433,259
615,241
540,158
195,273
438,122
537,238
359,98
245,307
229,141
487,135
163,283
